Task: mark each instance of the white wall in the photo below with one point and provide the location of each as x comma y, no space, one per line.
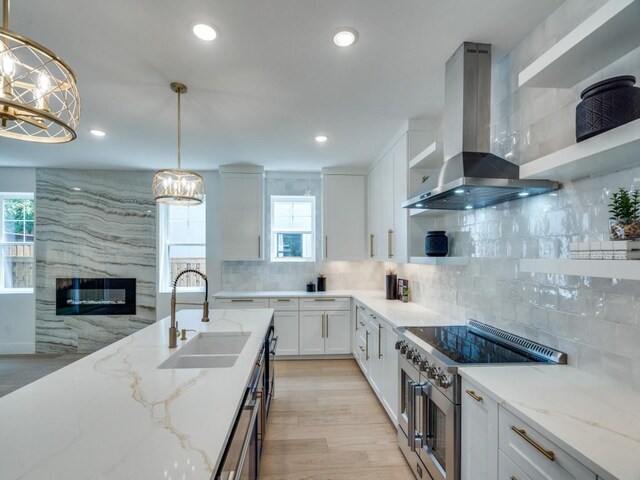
17,310
163,300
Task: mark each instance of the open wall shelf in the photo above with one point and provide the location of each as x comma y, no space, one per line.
622,269
440,260
608,34
608,152
430,158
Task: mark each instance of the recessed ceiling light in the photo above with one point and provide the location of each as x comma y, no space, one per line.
205,32
77,189
321,138
345,37
97,133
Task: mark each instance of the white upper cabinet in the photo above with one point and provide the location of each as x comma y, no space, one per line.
242,212
343,212
388,184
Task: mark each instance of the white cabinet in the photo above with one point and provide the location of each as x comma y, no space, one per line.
537,456
479,443
325,326
387,210
343,216
242,213
312,333
508,469
337,340
244,302
390,372
374,218
399,238
285,325
376,369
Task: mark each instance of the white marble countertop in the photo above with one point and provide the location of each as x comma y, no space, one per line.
594,419
114,415
395,312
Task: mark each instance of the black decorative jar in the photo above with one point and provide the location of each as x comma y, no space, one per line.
436,244
606,105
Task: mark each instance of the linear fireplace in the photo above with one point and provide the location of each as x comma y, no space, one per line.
95,296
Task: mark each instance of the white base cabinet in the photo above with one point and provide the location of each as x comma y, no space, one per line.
479,442
498,444
285,324
325,333
377,357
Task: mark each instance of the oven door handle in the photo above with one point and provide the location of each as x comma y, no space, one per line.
237,473
411,416
274,344
419,435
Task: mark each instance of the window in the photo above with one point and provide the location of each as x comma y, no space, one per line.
182,245
293,220
16,241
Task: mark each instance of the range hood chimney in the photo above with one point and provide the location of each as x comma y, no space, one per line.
471,177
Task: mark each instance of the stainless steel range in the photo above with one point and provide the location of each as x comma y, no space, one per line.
429,389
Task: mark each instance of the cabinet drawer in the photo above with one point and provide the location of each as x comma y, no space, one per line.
325,303
283,303
536,455
241,303
507,470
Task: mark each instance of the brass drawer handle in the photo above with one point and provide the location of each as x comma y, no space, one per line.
371,237
284,300
379,340
523,434
390,243
324,299
241,300
513,477
473,395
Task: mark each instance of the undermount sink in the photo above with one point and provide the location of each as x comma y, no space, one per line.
208,350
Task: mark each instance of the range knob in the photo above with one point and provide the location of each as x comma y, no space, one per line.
417,358
424,365
432,372
443,380
399,344
403,348
410,354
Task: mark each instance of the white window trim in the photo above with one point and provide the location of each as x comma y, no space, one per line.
293,198
164,263
14,196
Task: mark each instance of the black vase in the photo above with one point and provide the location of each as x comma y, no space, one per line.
606,105
392,285
436,244
322,284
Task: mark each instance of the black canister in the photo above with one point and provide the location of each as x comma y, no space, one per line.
322,284
391,286
606,105
311,287
436,244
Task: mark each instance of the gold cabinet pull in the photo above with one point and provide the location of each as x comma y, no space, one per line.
324,299
371,237
259,247
323,335
326,246
326,316
513,477
379,341
390,242
523,434
241,300
473,395
284,300
367,343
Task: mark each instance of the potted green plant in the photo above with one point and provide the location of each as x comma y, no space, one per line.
405,294
624,222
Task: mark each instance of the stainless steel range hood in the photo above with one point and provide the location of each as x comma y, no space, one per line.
471,177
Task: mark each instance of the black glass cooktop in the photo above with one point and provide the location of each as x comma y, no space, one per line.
464,345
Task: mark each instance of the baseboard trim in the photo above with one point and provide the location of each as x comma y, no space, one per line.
345,356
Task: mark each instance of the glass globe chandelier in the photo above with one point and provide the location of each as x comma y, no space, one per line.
39,98
178,187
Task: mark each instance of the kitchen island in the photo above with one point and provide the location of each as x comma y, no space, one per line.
115,415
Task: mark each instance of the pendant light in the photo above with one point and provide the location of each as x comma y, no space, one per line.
39,98
178,187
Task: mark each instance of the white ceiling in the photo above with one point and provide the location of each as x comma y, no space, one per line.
262,90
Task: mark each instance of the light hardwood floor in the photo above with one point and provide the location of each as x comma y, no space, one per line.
326,423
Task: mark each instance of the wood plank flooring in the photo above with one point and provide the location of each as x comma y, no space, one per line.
16,371
327,424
